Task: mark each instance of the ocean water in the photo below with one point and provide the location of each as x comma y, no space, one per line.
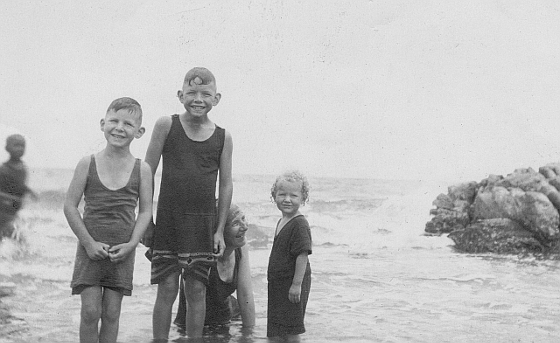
376,276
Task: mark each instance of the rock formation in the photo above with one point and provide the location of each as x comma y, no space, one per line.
515,214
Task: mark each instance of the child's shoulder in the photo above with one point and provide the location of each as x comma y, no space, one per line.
165,120
86,159
162,127
301,220
82,168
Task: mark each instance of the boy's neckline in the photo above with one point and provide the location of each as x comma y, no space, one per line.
95,161
197,140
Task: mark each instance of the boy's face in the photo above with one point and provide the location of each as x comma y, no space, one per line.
198,99
288,196
15,147
121,127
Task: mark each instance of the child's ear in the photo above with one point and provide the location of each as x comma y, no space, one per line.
216,99
102,124
180,95
140,132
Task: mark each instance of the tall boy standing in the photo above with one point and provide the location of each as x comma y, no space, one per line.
189,233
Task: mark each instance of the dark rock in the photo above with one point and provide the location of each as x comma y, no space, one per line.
554,198
464,191
539,216
500,235
513,214
496,202
445,221
531,209
555,182
443,201
525,179
547,172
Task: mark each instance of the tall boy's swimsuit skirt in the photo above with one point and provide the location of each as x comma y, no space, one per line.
186,216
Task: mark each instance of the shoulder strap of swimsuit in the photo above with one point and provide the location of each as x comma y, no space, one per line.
92,171
221,137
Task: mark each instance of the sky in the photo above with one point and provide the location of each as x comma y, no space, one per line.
384,89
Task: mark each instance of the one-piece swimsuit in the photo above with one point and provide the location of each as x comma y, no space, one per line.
186,215
109,216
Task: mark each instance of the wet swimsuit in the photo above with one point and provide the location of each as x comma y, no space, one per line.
186,215
109,216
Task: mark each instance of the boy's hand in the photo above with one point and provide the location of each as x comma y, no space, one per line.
219,244
97,251
119,252
294,294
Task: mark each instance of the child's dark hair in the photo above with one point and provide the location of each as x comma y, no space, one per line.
16,137
205,76
126,103
292,176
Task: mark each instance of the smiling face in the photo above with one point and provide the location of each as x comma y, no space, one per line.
235,229
288,197
198,97
121,127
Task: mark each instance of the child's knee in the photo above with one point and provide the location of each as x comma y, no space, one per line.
111,314
167,291
195,291
91,314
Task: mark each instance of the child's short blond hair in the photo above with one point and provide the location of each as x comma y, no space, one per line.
126,103
292,176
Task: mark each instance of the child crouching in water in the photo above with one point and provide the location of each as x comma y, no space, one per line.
289,272
112,182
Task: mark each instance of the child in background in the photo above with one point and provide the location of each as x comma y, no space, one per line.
289,272
189,234
112,182
13,178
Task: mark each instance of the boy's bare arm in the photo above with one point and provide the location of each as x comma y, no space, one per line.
144,204
295,289
225,193
95,250
157,141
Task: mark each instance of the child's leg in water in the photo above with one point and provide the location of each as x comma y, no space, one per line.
110,315
195,292
92,298
166,294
